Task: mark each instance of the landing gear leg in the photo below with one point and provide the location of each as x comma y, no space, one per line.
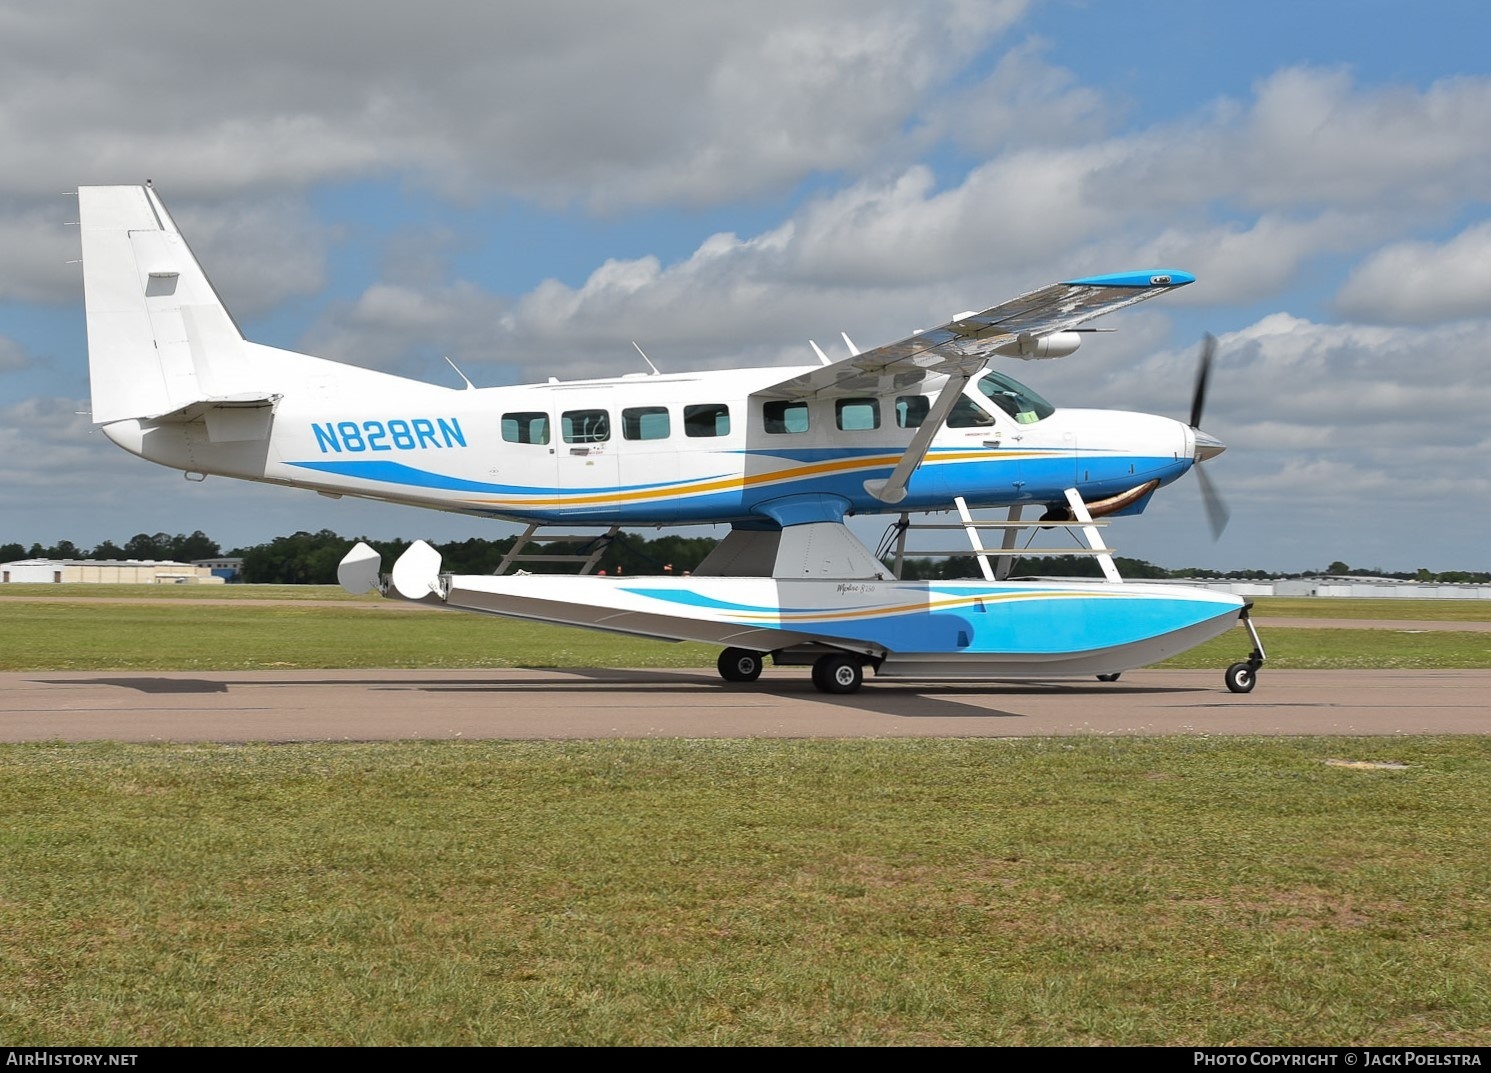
1242,677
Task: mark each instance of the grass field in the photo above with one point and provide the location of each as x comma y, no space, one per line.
1178,891
1079,891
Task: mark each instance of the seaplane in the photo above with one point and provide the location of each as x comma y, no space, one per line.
928,425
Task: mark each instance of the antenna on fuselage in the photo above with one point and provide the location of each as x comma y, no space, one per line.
822,357
469,385
646,359
853,350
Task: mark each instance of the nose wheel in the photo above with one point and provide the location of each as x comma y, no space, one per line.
1242,677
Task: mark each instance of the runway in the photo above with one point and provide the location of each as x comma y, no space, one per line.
520,704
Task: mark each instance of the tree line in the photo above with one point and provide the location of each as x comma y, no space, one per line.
162,546
311,559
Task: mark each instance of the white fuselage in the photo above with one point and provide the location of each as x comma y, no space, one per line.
644,449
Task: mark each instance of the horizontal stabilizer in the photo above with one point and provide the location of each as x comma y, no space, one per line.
230,418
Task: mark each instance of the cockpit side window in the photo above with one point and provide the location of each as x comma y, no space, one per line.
1014,398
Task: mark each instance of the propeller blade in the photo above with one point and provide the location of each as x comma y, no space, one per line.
1216,511
1203,374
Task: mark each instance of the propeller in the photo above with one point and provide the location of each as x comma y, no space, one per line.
1203,376
1207,446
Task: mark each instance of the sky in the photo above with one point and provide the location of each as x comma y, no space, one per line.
527,189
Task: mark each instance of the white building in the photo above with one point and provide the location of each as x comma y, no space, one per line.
226,567
106,572
1355,587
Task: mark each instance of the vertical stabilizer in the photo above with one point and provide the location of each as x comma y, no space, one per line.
156,327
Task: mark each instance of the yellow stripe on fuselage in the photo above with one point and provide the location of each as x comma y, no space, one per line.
743,481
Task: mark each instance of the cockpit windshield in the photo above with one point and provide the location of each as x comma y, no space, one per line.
1014,398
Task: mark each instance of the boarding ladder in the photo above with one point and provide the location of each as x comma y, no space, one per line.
592,547
996,563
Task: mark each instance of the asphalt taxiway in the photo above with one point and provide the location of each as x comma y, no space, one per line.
521,704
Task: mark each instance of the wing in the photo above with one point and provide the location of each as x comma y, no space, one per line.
962,346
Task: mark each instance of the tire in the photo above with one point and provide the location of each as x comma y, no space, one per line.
1108,677
740,665
1241,678
838,674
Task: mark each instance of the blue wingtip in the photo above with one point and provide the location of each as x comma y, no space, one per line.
1149,277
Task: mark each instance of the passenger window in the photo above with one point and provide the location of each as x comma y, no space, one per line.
645,423
968,414
911,410
585,426
525,428
857,415
710,419
784,417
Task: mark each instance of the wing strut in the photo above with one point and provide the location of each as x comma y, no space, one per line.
893,488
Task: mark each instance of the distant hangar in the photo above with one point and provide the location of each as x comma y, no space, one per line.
119,571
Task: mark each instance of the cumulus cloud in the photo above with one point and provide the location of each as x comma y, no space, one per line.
258,252
1342,437
881,258
55,436
1315,136
247,107
1029,215
668,104
1327,416
1423,282
1365,383
398,327
1023,101
39,247
612,104
1312,138
1245,262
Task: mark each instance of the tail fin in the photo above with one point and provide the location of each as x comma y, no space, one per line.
156,326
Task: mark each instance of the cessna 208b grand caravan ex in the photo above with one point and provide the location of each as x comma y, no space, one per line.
781,455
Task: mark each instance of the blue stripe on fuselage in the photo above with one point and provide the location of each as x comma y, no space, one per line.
980,480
